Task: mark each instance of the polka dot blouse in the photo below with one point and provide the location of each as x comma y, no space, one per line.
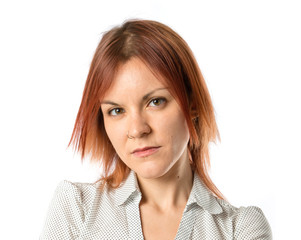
81,211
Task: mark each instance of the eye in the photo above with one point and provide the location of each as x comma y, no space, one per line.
115,111
157,102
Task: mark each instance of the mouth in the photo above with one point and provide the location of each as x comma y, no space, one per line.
144,152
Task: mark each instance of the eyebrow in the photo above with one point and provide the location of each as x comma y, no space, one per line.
144,97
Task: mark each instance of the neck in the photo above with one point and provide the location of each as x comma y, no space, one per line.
170,190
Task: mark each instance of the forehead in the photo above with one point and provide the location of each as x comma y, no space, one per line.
134,78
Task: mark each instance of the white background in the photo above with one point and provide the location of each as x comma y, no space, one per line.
248,51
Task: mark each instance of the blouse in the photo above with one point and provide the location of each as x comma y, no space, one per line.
82,211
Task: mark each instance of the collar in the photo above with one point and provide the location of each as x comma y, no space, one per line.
203,197
199,194
127,188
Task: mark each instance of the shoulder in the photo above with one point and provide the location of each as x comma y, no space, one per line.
68,208
248,222
74,194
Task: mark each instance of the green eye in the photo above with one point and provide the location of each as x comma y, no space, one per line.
157,101
116,111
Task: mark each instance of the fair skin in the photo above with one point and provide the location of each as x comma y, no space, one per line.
138,104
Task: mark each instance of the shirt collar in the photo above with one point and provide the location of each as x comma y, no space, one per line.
199,193
127,188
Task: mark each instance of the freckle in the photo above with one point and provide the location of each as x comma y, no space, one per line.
178,176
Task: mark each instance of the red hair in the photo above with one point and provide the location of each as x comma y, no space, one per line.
167,55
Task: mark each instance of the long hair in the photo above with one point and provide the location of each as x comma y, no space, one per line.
167,55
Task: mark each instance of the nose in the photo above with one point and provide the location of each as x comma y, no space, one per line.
138,126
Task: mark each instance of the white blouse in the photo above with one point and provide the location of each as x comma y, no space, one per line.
82,211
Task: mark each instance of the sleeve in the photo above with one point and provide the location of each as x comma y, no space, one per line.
65,215
251,224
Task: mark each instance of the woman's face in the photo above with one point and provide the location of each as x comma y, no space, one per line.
139,105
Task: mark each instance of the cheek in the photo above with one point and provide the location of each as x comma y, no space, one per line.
115,133
181,131
175,129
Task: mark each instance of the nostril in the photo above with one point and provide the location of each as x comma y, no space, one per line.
137,129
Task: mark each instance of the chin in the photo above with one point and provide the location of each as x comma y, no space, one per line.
151,172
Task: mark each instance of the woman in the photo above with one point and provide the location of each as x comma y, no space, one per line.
147,116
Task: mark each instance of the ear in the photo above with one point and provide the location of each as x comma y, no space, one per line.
194,115
193,111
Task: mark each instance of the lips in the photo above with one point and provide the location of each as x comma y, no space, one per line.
144,152
143,149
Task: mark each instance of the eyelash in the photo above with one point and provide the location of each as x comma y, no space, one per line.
161,100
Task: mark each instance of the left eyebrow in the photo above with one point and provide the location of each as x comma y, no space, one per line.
144,97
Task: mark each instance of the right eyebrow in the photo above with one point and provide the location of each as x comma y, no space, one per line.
109,102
